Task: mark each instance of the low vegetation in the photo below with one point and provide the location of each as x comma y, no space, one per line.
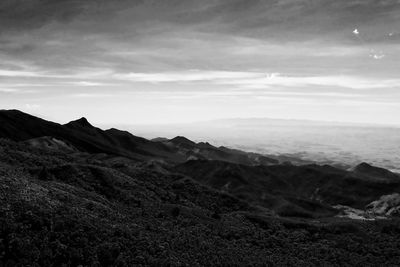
72,209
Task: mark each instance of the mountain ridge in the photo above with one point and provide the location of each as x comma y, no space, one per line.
88,138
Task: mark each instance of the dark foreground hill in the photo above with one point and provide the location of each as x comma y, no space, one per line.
302,191
58,208
70,198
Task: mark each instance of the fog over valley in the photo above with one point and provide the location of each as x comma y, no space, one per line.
325,142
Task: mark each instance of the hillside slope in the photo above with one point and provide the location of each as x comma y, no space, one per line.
306,191
57,209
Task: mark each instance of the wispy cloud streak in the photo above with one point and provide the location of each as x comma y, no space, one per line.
259,80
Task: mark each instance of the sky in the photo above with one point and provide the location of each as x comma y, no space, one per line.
173,61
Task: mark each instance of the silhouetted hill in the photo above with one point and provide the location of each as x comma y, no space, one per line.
374,172
80,123
19,126
182,141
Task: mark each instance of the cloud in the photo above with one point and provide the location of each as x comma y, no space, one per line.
344,81
17,15
77,74
9,47
8,90
20,14
377,56
87,83
259,79
91,95
19,73
32,106
278,18
185,76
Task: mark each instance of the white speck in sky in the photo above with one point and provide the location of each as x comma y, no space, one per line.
377,56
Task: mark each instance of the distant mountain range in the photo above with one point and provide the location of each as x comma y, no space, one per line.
339,144
304,190
80,187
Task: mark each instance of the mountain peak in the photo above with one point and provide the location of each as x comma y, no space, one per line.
363,166
182,140
368,169
82,122
15,111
